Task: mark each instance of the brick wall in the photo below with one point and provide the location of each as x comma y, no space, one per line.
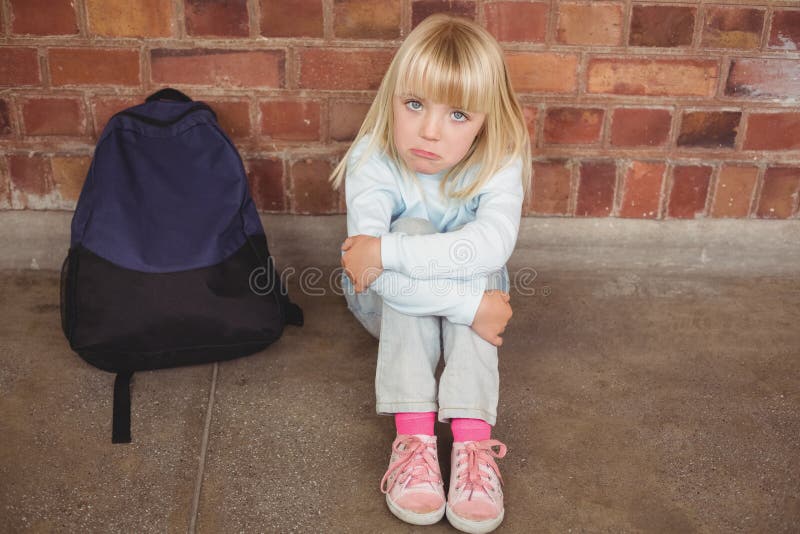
644,109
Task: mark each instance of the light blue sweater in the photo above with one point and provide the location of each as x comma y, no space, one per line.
441,274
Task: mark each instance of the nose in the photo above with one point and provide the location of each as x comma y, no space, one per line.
430,129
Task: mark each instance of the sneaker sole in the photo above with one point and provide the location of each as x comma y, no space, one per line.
474,527
414,518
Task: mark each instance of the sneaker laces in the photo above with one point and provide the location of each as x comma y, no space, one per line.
414,462
479,454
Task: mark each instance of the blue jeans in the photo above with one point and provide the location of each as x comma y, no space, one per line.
409,348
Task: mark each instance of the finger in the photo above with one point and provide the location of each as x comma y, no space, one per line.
498,341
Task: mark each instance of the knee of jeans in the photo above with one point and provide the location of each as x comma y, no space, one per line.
413,226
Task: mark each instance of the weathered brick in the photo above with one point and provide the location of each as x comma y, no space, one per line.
641,193
30,175
366,19
733,27
233,116
785,31
551,187
311,191
543,72
43,17
710,129
5,119
689,191
345,119
773,131
69,174
734,190
596,188
530,113
123,18
223,18
94,66
343,68
517,21
640,127
779,193
764,78
573,125
422,9
19,66
653,77
104,108
290,120
219,68
5,185
53,116
590,23
661,25
265,177
291,18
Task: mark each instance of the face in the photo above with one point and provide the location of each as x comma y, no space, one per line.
430,136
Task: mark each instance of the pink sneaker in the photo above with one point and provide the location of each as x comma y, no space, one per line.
475,502
413,483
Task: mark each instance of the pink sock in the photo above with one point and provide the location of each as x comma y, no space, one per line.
415,422
470,430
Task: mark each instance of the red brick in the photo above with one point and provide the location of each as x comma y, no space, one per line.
366,19
233,116
94,66
345,119
543,72
105,107
640,127
53,116
530,113
516,21
641,194
265,177
424,8
69,174
19,66
709,129
310,187
734,191
291,18
343,68
29,17
764,78
779,193
785,31
661,26
594,23
223,18
218,68
653,77
290,120
733,27
551,187
596,188
123,18
5,186
5,119
689,191
30,174
573,125
773,131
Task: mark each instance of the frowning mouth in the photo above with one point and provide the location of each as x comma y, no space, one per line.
424,154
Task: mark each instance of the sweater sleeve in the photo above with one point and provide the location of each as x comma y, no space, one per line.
479,247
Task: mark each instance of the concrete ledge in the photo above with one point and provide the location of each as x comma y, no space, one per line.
40,239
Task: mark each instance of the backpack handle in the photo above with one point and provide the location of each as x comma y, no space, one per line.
168,94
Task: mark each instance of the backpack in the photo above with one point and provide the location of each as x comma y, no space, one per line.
168,263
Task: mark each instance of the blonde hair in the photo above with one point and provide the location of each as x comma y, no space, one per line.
456,62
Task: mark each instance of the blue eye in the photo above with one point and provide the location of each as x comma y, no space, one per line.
414,105
460,117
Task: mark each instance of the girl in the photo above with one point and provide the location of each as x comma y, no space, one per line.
434,184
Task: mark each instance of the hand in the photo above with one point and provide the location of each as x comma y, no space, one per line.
492,316
362,260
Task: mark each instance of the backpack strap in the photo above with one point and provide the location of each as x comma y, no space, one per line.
121,422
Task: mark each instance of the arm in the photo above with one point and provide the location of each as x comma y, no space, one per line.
481,246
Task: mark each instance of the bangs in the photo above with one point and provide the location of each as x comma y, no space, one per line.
448,68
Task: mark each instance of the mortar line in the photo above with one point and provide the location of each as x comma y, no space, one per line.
203,450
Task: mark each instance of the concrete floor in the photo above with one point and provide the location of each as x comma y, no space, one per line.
632,400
